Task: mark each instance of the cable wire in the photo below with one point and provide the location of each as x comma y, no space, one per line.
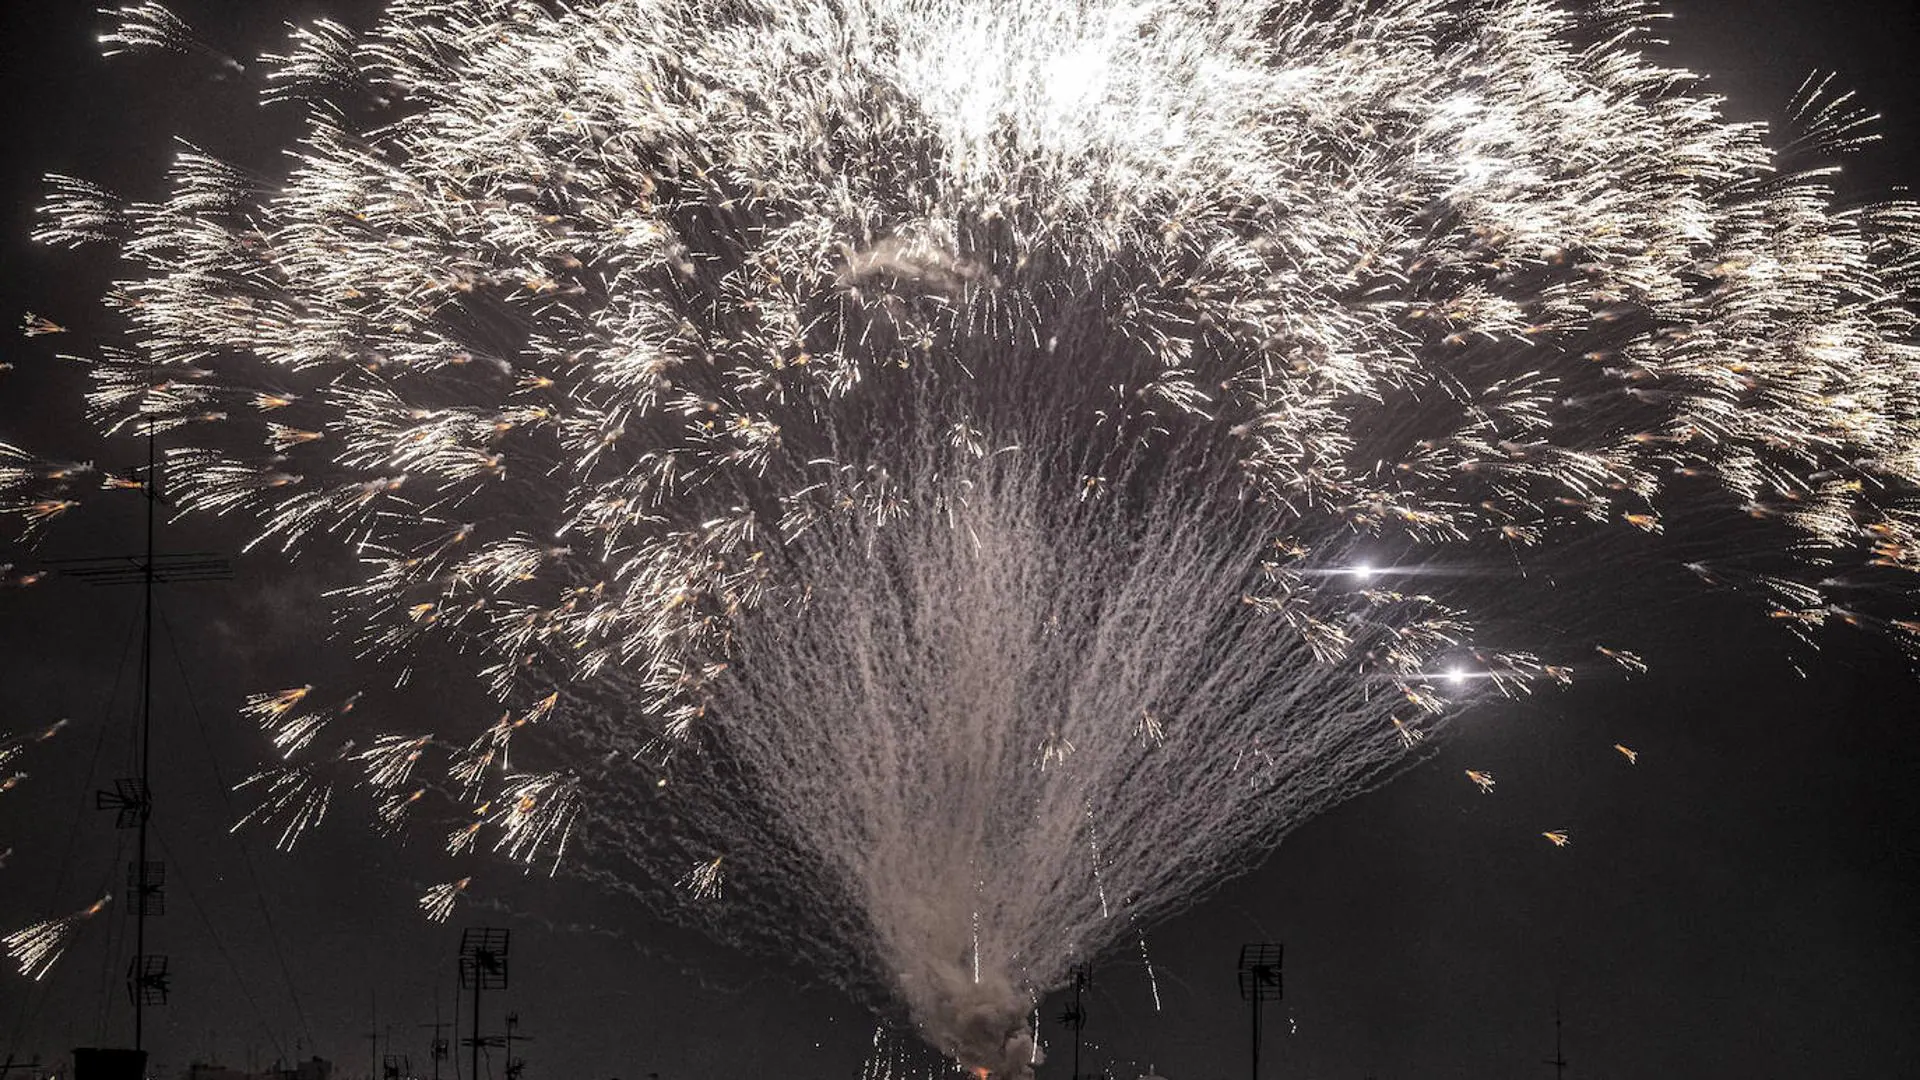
246,855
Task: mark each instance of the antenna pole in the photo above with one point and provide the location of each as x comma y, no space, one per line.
1075,1015
1079,983
151,489
1255,1003
1559,1059
437,1050
131,799
483,964
1259,983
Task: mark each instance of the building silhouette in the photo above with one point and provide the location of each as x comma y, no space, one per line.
311,1069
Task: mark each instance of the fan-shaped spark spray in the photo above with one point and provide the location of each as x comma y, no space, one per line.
967,477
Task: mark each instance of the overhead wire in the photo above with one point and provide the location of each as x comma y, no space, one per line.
36,997
220,946
246,855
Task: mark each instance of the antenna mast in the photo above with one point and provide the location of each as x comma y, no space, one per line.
483,966
1075,1015
1558,1060
439,1048
146,973
131,799
1259,984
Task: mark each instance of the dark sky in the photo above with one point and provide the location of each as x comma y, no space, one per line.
1744,902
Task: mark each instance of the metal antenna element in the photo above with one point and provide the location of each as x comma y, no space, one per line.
440,1049
1259,983
1075,1015
505,1042
129,801
373,1034
515,1066
147,982
127,570
483,966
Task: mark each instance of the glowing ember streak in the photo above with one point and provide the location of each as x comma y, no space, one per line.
38,947
438,902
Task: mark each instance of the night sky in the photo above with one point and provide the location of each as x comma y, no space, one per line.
1743,902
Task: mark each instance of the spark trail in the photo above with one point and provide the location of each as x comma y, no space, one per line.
963,478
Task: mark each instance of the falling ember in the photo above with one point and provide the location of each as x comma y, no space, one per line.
270,707
1558,837
704,881
1407,733
438,902
13,747
37,948
1632,756
1483,780
901,475
1628,662
295,797
1153,981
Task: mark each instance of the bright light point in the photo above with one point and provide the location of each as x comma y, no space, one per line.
1456,676
1363,572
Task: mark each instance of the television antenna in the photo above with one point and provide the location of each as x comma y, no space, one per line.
1259,974
1075,1015
148,979
483,966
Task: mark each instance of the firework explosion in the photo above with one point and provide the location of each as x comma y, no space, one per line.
962,478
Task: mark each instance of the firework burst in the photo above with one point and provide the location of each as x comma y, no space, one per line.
438,902
37,948
981,466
